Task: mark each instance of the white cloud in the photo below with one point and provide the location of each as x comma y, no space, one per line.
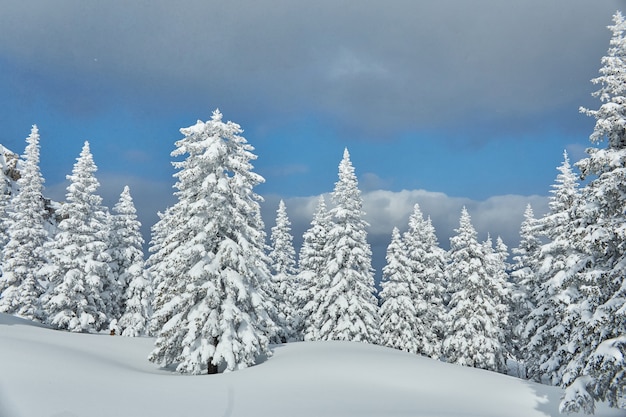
498,215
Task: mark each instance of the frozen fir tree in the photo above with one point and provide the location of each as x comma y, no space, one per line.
24,252
596,370
129,269
81,284
311,262
345,305
399,319
523,283
5,220
498,273
477,312
548,325
427,263
208,257
284,274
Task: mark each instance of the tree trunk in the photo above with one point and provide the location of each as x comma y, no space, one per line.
211,368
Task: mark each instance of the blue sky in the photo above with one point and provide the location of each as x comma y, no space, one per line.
439,103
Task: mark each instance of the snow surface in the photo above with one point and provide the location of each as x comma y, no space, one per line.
50,373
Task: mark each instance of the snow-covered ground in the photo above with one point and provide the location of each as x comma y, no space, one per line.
48,373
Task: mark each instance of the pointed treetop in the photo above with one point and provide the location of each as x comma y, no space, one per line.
31,152
217,115
609,117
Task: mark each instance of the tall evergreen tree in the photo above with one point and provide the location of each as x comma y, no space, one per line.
312,261
346,306
284,274
128,267
208,257
24,251
81,284
477,312
596,371
547,326
427,263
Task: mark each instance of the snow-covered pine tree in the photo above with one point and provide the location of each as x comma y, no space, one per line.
5,220
129,269
311,262
81,283
427,263
477,310
597,369
283,285
208,257
24,252
523,284
545,350
398,314
8,189
346,306
498,272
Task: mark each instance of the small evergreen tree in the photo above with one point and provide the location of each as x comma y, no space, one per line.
128,267
312,261
208,257
284,274
346,306
523,283
398,314
477,310
427,263
5,221
81,283
24,252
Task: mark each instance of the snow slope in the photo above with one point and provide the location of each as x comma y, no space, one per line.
48,373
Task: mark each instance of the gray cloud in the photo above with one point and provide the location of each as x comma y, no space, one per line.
370,66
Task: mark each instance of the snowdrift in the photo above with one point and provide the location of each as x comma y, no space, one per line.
44,372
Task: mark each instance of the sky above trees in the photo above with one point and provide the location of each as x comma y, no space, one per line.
457,103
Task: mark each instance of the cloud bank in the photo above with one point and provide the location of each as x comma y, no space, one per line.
372,67
497,216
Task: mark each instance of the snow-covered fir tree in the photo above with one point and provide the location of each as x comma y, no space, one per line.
497,271
477,310
82,288
548,325
427,263
596,370
129,269
24,252
6,191
311,262
523,283
208,257
399,319
346,307
283,285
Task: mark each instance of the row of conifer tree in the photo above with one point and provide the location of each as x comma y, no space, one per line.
215,297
